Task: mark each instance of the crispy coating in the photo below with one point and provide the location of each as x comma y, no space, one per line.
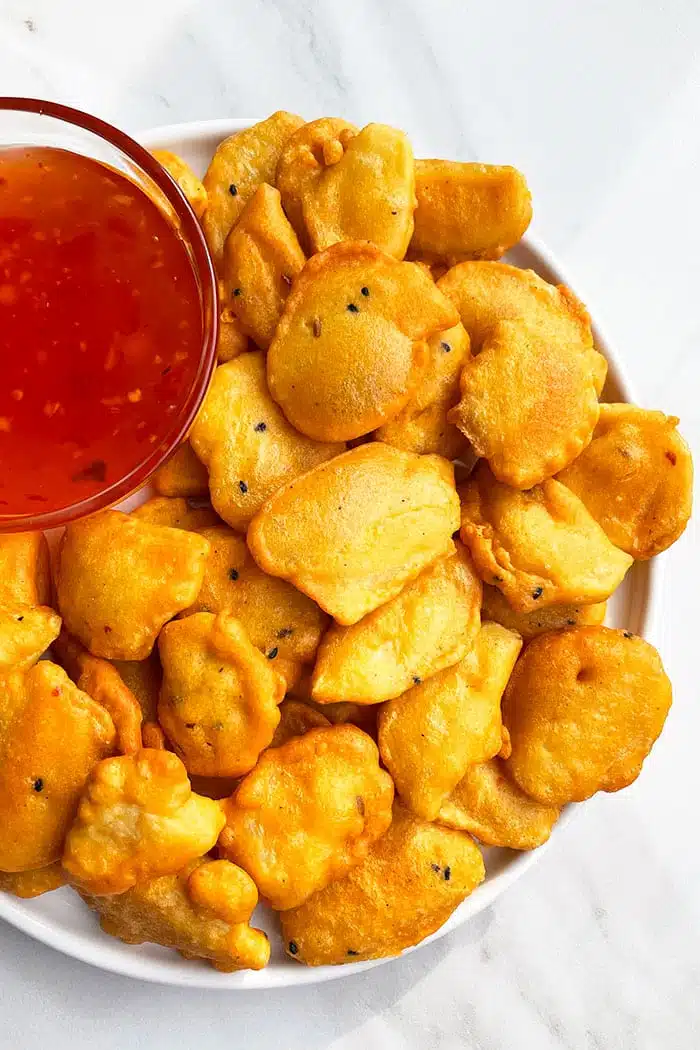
176,513
341,184
495,607
488,805
231,340
240,164
247,444
277,617
51,736
181,173
218,703
29,884
529,403
202,911
143,679
488,292
183,475
412,880
262,256
351,533
25,574
540,547
583,708
137,819
296,718
636,479
431,624
431,735
350,348
422,425
468,211
120,579
25,633
328,787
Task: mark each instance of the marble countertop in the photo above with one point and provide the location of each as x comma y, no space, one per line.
599,104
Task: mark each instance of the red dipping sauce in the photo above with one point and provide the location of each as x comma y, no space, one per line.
101,329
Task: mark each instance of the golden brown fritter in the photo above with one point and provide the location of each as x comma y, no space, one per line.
181,173
176,513
495,607
25,575
182,475
25,633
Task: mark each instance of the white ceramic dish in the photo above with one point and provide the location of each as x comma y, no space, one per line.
61,920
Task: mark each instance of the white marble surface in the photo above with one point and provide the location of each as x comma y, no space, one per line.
599,103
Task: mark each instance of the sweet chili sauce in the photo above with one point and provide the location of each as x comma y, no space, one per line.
100,328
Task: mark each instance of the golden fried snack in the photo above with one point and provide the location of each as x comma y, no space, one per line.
181,173
176,513
352,532
296,718
327,786
143,679
488,805
28,884
636,479
262,256
51,736
540,547
25,575
550,618
422,425
431,735
529,403
468,211
202,911
231,341
218,703
183,475
412,880
341,184
281,621
247,444
488,292
25,633
350,348
137,819
240,164
583,708
428,626
120,579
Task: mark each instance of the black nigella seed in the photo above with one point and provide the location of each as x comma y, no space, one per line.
571,623
537,593
38,784
436,867
233,190
627,634
272,653
19,619
260,427
352,952
394,212
416,680
243,487
293,948
447,873
236,292
498,579
233,574
353,309
446,347
364,290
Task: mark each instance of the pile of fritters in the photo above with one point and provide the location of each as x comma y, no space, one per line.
312,669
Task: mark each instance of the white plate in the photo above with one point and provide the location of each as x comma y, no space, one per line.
60,918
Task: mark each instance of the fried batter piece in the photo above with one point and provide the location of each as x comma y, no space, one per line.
203,912
540,547
430,736
143,679
25,574
529,404
412,880
219,699
181,173
488,805
247,444
341,184
231,341
25,633
296,718
262,256
327,785
422,425
51,737
137,819
240,164
176,513
281,621
428,626
350,348
583,708
120,579
636,479
29,884
183,475
352,532
468,211
550,618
